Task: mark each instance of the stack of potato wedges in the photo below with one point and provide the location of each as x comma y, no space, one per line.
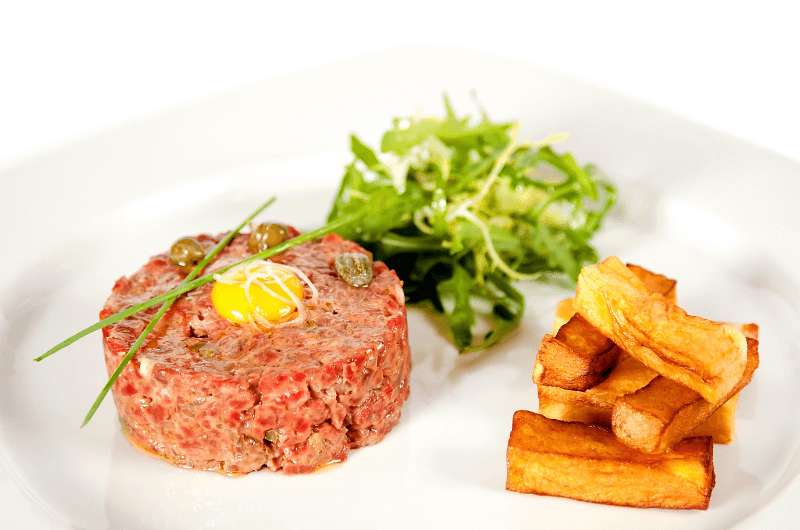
633,393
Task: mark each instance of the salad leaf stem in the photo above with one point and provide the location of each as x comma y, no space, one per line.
492,251
499,162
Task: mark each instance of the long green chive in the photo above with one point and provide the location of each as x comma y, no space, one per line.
198,282
219,247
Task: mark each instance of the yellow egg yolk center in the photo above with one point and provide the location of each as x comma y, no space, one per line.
266,298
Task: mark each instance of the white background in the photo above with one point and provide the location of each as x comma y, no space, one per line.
68,69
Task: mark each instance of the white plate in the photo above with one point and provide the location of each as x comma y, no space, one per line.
707,209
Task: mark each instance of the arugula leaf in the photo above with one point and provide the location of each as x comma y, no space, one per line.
507,310
363,152
460,210
455,295
400,140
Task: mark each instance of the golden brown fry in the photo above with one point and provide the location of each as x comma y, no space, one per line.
562,405
654,282
662,413
559,404
721,425
584,462
708,357
595,406
578,356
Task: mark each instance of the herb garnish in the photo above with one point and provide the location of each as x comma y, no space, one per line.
194,284
188,284
219,247
460,208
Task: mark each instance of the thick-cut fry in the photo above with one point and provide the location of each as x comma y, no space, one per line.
595,406
708,357
578,356
654,282
584,462
562,405
659,415
721,426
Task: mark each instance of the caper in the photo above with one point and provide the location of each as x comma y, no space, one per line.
186,253
266,235
207,353
271,436
354,268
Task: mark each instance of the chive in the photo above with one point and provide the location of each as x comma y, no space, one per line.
165,307
198,282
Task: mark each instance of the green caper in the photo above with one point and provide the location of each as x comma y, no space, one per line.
186,253
266,235
271,436
207,353
354,268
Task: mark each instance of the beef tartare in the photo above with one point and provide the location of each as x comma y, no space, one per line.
207,393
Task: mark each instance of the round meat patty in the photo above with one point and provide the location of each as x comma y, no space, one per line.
205,393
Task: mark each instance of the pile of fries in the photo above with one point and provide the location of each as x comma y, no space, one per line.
633,393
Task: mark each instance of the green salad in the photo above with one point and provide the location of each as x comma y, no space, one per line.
462,207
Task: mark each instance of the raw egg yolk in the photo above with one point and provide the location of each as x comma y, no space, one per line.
268,299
